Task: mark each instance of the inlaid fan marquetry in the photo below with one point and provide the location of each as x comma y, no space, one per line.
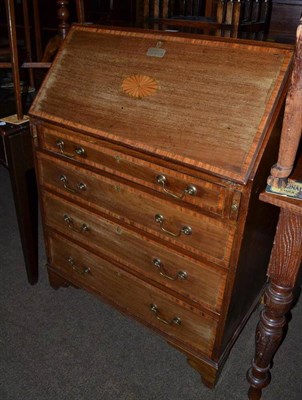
139,86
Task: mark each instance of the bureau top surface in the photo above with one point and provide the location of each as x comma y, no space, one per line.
200,102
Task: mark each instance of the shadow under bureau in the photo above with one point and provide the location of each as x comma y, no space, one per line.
151,149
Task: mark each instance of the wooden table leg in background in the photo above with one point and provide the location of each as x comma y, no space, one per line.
283,270
17,157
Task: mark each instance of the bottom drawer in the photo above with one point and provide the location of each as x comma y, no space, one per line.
162,311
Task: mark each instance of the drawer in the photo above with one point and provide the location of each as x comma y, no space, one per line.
188,230
180,187
198,282
165,313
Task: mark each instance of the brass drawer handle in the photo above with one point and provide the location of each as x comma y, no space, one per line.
80,186
159,265
190,189
79,151
175,320
186,230
70,223
84,270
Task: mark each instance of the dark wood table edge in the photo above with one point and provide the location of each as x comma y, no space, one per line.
18,159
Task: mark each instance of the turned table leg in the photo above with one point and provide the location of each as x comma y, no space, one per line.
269,334
283,270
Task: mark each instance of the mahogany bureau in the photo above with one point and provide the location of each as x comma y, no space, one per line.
150,151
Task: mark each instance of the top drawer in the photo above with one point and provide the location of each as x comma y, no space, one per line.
69,144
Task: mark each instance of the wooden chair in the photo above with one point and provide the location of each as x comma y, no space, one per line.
63,27
229,18
11,52
15,138
42,57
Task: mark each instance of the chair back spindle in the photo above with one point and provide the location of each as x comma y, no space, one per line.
229,18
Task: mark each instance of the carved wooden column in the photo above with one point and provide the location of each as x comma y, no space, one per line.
287,250
283,270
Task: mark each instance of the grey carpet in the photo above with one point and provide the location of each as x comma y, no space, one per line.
66,344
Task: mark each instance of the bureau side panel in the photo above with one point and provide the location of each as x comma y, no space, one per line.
255,248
